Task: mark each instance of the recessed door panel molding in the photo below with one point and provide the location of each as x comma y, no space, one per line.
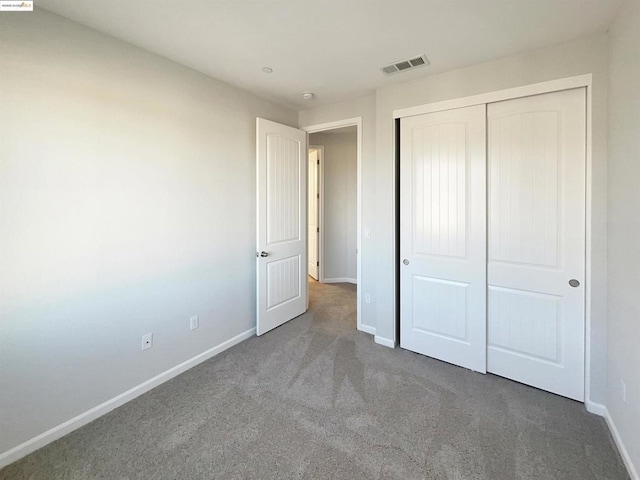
283,281
525,323
440,181
281,254
444,307
536,218
443,236
283,189
524,174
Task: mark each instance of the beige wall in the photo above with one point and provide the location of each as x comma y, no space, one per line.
127,205
340,187
624,227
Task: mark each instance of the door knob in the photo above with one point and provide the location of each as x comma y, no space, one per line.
405,261
574,283
264,254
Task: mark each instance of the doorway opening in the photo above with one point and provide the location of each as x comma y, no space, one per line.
334,206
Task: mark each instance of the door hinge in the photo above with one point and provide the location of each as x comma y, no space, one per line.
318,230
317,195
317,264
318,161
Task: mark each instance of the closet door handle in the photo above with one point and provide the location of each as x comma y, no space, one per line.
574,283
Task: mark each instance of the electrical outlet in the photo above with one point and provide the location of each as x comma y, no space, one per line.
624,390
147,341
194,322
367,298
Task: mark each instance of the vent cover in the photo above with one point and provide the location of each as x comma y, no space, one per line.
404,65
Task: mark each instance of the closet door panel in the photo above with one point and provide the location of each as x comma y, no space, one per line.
536,223
443,236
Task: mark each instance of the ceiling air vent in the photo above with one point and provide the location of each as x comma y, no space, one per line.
407,64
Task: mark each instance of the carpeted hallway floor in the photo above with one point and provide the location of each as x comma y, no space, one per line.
317,399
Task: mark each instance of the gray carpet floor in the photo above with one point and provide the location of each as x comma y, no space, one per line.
317,399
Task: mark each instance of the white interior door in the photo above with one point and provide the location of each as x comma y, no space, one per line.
281,223
443,236
314,258
536,263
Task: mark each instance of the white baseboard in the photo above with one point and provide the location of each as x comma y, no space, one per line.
387,342
626,458
600,409
61,430
596,408
340,280
367,329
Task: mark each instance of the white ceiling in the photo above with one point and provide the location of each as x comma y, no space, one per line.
334,47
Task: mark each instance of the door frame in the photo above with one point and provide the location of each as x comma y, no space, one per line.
320,150
322,127
568,83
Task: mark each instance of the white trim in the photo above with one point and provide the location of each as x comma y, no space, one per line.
498,96
579,81
321,127
320,150
321,223
601,410
386,342
624,453
367,329
340,280
78,421
595,408
357,121
587,259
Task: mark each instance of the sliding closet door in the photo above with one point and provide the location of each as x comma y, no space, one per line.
443,236
536,218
